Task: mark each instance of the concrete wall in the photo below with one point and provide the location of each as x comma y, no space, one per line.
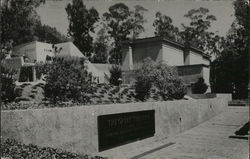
172,56
28,49
42,50
195,58
75,128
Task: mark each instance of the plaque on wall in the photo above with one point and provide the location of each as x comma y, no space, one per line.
119,129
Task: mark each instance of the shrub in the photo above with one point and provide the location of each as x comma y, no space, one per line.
199,87
42,69
161,76
168,83
144,79
7,84
68,79
115,74
11,148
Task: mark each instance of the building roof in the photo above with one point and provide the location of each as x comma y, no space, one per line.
166,41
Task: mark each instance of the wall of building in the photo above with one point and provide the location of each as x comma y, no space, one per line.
75,128
145,50
28,50
206,75
42,50
195,58
172,56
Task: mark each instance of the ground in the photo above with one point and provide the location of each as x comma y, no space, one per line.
209,140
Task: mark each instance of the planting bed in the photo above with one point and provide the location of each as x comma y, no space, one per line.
32,96
12,149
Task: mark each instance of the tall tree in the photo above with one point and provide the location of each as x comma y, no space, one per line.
196,33
137,21
18,21
119,28
81,24
123,24
164,27
229,72
101,47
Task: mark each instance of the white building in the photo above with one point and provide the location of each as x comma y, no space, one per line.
28,54
191,64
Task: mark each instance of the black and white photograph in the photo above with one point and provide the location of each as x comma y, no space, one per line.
125,79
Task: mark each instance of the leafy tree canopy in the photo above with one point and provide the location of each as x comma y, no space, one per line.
123,24
164,27
81,24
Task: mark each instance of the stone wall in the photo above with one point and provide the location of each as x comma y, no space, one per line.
75,128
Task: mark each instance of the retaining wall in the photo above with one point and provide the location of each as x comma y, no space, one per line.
75,128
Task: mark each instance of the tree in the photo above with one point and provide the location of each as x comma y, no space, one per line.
48,34
121,23
164,27
18,21
101,47
137,21
196,34
81,24
229,72
119,28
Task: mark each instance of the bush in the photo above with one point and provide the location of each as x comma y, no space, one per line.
115,74
11,148
161,76
144,79
68,79
41,69
168,83
7,84
199,87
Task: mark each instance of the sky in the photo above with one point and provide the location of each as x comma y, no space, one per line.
53,12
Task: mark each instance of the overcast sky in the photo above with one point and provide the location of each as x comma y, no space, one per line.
53,12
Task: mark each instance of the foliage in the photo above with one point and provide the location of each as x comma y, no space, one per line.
7,84
121,23
161,76
48,34
101,47
144,79
81,24
199,87
197,34
18,21
68,79
119,28
115,75
14,149
229,72
42,69
164,27
167,81
137,20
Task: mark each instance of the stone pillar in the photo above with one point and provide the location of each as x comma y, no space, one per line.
34,73
186,54
127,58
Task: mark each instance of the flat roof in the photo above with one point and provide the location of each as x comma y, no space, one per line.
166,41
